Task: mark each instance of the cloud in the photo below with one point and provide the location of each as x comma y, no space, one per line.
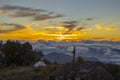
111,28
4,28
99,27
98,38
20,8
25,32
81,28
23,14
88,19
2,11
73,26
107,52
35,14
68,27
70,24
46,16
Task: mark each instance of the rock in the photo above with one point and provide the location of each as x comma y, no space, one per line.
98,73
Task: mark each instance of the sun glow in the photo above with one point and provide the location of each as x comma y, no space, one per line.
59,33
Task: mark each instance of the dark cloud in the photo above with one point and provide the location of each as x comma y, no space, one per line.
46,16
9,7
98,38
88,19
81,28
14,27
23,14
35,14
70,24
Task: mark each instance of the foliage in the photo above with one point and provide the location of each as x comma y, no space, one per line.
19,54
38,55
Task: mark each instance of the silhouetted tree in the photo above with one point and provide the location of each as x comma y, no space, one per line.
0,44
26,54
11,49
39,55
1,60
1,55
18,54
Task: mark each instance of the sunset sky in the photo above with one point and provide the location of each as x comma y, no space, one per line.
58,20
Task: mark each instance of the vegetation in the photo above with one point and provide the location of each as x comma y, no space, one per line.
26,73
18,54
17,60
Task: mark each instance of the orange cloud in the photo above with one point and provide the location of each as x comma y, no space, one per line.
4,28
111,28
56,33
2,11
99,27
28,33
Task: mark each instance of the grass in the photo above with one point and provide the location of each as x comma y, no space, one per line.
26,73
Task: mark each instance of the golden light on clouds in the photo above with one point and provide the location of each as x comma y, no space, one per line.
6,27
111,28
27,23
58,33
98,26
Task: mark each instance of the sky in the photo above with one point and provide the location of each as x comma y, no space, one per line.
58,20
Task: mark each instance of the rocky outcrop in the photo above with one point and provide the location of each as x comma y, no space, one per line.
98,73
82,72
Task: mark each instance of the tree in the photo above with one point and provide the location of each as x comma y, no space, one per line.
1,59
1,55
10,49
18,54
39,55
26,55
0,44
